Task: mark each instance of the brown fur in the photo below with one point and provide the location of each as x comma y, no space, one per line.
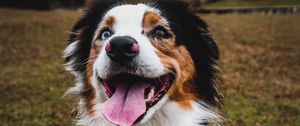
176,59
89,91
110,21
150,19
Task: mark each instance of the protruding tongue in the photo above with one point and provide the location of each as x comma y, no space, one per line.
126,105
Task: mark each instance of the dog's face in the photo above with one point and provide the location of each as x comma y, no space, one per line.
133,59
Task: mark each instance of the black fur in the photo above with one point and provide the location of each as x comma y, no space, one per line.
83,32
193,32
189,31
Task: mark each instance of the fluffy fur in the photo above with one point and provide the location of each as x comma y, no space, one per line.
190,53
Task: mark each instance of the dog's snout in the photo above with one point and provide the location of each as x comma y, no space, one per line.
122,49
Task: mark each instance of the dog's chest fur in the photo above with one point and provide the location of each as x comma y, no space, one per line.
169,115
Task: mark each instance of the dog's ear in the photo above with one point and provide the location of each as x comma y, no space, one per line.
191,31
77,52
187,24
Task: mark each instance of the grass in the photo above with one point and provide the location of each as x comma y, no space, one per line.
260,59
32,78
251,3
261,67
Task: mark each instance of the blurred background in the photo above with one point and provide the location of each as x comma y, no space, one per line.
260,60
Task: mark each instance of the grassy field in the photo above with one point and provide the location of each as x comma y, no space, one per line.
251,3
260,60
32,78
261,68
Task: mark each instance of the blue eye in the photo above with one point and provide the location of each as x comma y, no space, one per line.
105,34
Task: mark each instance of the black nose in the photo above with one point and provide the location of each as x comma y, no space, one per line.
122,49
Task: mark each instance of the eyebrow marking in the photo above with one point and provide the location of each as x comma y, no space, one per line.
110,21
150,19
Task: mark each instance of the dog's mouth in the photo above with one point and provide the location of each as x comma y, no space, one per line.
130,96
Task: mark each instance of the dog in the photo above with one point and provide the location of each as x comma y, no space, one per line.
144,65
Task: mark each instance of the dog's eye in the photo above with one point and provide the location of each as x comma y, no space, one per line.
160,32
105,34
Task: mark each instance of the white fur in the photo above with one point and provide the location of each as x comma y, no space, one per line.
170,114
128,22
70,49
165,112
68,52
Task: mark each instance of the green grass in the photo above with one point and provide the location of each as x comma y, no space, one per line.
251,3
260,60
32,78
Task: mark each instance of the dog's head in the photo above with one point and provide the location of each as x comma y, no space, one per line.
130,60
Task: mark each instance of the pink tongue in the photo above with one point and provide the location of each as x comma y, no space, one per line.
126,105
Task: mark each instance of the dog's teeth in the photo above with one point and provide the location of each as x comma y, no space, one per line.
150,94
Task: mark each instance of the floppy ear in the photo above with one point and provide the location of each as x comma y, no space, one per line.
77,52
192,32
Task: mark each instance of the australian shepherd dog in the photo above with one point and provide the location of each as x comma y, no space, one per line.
144,65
